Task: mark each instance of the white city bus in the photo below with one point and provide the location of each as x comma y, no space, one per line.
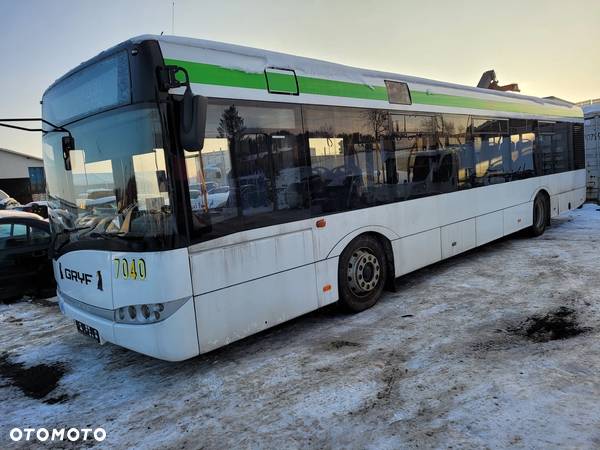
243,187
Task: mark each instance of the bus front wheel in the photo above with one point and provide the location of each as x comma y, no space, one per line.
362,273
540,215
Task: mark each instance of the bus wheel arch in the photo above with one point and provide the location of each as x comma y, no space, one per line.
365,269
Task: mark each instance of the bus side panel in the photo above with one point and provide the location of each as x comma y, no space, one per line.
226,315
458,237
327,280
489,227
565,188
238,263
579,197
517,217
416,251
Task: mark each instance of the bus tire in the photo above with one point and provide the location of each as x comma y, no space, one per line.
362,273
540,215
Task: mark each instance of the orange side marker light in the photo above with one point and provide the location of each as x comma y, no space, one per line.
321,223
327,288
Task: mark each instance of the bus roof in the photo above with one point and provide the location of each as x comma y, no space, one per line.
224,70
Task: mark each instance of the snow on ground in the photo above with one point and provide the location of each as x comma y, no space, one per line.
462,355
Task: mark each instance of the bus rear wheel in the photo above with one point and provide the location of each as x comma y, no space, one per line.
362,273
540,215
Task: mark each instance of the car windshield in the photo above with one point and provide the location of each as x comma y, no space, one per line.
118,182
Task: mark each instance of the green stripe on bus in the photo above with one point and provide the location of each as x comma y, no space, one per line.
221,76
424,98
320,86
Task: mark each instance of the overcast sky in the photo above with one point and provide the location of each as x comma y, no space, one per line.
549,47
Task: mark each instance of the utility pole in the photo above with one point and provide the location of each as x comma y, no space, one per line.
173,17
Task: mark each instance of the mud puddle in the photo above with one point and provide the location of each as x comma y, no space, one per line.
35,381
561,323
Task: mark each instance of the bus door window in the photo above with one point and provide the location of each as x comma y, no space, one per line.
492,151
544,147
271,162
255,173
210,183
522,139
458,152
418,154
348,158
291,170
560,147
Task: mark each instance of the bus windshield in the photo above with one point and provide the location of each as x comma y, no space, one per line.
118,182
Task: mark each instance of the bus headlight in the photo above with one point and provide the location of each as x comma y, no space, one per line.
147,312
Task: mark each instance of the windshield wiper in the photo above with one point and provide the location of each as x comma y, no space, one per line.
66,231
71,230
118,234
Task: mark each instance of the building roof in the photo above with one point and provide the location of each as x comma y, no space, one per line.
24,155
590,101
591,110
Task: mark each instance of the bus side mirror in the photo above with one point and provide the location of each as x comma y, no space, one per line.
192,120
68,144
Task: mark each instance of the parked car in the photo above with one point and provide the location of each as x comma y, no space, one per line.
24,264
6,201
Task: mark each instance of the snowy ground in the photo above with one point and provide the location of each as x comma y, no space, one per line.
461,356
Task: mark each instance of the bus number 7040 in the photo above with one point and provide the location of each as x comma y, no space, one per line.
133,269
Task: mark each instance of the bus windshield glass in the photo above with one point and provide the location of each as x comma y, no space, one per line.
95,88
118,184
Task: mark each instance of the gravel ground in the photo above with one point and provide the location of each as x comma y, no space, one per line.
495,348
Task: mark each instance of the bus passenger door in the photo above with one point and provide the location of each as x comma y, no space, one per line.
254,266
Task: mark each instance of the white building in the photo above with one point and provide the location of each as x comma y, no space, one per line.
22,176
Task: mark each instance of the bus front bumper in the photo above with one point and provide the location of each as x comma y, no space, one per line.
173,339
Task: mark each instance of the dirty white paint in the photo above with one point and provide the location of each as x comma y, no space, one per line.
249,281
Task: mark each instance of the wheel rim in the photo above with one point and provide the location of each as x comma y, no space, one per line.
364,272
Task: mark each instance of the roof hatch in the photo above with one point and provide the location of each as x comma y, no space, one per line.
281,81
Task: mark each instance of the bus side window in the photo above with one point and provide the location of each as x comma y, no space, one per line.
350,155
251,171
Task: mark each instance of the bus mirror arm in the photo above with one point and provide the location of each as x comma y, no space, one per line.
68,142
192,108
192,120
